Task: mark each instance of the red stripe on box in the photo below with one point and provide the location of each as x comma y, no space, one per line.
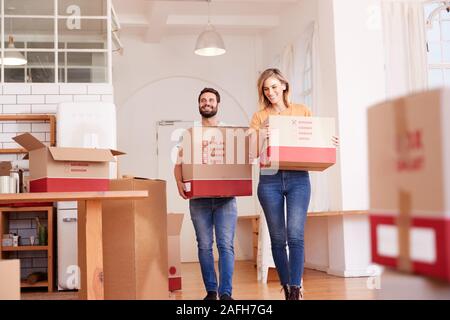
441,226
174,284
302,154
219,188
68,185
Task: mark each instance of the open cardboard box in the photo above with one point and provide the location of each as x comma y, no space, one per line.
66,169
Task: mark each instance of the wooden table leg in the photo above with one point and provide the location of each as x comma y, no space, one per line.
90,250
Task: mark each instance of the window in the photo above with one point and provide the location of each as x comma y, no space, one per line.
61,40
438,43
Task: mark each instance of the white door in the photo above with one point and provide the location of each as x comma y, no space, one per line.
168,135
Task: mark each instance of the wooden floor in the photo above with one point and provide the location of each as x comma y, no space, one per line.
318,286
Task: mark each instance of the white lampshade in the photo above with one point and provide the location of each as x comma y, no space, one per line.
13,58
209,43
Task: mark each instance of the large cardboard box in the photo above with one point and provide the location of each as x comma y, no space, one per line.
174,224
409,167
66,169
135,242
10,279
299,143
216,162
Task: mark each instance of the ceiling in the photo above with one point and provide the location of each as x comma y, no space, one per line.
154,19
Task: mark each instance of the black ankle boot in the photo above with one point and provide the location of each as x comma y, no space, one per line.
294,293
286,291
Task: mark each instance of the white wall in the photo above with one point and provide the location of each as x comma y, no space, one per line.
360,84
350,79
156,82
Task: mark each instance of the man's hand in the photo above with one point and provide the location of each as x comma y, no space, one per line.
181,191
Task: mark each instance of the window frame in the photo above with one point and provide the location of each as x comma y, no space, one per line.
56,50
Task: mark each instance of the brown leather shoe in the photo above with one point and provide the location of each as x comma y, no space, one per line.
285,288
212,295
295,293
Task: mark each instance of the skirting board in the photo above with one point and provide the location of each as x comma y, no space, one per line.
349,273
314,266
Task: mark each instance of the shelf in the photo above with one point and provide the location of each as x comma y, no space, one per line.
25,284
25,248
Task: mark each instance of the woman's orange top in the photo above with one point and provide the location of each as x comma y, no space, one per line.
260,117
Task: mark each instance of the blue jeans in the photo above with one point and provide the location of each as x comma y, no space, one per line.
295,187
219,214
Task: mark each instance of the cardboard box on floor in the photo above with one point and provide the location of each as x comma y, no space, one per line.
174,224
10,279
409,171
299,143
216,162
66,169
135,242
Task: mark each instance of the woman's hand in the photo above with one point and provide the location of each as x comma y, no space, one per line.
181,190
335,141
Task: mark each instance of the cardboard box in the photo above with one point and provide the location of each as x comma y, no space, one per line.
299,143
216,162
174,224
66,169
135,242
10,279
409,167
5,168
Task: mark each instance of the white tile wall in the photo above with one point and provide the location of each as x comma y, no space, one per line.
16,127
52,99
17,89
87,97
73,89
35,98
40,127
44,108
41,99
100,89
8,99
16,108
45,89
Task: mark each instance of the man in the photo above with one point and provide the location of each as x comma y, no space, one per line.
207,214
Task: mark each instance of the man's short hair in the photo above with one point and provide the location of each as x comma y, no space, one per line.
211,90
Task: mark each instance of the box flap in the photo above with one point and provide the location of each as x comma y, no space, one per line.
81,154
5,167
116,152
174,223
29,142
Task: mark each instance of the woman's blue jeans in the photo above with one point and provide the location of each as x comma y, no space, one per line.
294,188
220,215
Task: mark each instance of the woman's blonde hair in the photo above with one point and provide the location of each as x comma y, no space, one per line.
276,73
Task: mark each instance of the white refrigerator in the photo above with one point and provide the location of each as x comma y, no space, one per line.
79,124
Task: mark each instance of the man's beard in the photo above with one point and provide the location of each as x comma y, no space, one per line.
209,114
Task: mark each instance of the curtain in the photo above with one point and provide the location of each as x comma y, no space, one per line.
405,46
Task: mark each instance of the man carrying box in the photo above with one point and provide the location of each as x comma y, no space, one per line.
209,213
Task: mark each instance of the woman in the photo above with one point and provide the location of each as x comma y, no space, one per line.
292,187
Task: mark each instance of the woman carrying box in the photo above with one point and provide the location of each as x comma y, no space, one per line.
283,186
